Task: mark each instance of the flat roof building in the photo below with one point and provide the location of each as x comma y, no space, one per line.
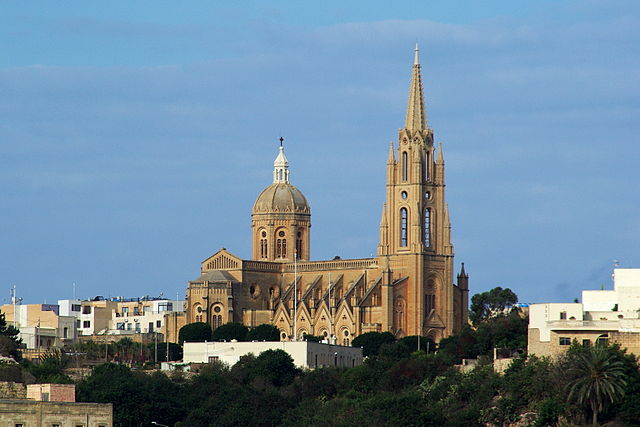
305,354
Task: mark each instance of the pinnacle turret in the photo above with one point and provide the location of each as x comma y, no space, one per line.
440,159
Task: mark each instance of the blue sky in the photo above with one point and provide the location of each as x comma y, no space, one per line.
135,136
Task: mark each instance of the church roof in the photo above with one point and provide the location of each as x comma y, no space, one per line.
215,276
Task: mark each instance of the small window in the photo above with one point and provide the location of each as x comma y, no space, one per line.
86,309
565,341
77,324
65,333
563,315
75,307
404,166
158,323
55,425
427,227
45,398
120,326
19,425
586,342
86,324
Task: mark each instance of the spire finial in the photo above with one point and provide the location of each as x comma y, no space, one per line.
416,118
281,141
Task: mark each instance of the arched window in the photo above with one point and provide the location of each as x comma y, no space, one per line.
398,313
404,165
403,226
426,166
281,248
263,248
281,245
217,321
427,227
299,244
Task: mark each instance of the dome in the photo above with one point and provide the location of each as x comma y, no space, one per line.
281,197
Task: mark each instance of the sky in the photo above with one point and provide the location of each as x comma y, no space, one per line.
135,136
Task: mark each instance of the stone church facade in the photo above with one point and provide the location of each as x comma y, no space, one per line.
407,289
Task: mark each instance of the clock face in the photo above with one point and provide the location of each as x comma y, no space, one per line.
404,195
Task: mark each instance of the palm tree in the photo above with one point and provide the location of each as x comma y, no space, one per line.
598,378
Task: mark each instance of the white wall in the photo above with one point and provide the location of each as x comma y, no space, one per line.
304,354
540,314
599,300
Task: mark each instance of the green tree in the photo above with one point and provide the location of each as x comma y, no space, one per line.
8,331
599,378
194,332
137,398
175,351
264,332
371,342
50,368
426,344
274,366
313,338
231,331
491,303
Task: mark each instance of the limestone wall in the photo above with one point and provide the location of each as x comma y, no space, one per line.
11,390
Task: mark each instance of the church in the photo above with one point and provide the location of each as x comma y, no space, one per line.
407,289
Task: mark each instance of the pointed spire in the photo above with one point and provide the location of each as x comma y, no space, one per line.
383,217
392,157
281,166
462,272
416,118
440,159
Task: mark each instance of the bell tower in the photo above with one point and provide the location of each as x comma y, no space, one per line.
415,216
415,231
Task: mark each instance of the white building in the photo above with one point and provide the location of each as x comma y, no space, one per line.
41,325
304,354
605,315
120,316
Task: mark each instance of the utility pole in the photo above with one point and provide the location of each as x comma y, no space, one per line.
295,295
330,314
